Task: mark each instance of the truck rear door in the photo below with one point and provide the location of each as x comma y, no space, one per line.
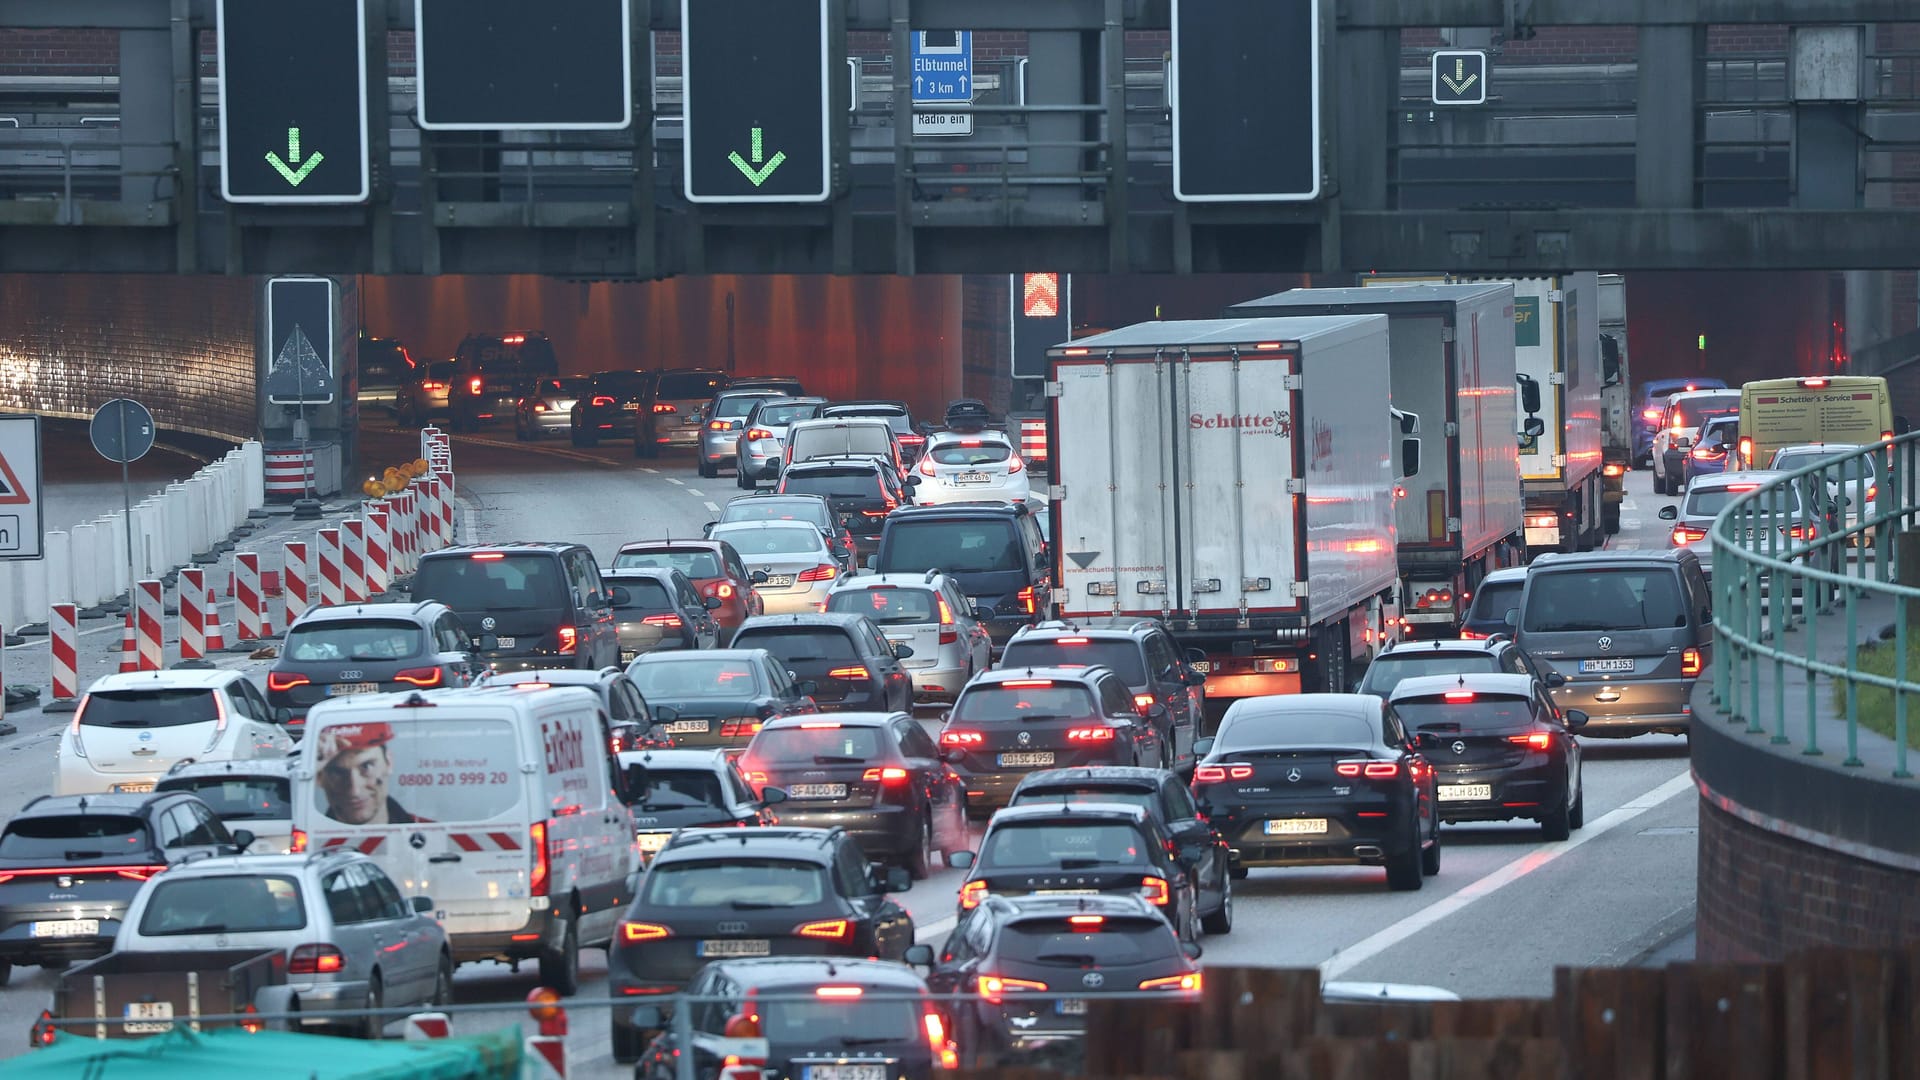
1115,435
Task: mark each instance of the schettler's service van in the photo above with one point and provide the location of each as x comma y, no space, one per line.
1853,410
498,804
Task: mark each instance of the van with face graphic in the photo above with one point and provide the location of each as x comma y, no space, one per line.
499,804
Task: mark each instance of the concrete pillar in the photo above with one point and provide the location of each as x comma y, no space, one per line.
146,115
1056,75
1668,125
1369,90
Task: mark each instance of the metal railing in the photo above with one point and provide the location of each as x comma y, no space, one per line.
1765,565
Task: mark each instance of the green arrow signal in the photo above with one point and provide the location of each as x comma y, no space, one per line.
1461,80
292,175
757,175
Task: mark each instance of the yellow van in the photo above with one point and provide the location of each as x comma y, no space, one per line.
1849,409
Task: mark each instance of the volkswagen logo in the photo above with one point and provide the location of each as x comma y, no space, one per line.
1092,978
487,623
1026,737
1293,776
730,928
350,674
1606,644
1459,747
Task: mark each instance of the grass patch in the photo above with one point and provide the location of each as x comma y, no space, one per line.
1876,703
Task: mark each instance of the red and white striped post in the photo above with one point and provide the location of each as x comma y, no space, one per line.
147,610
547,1051
424,1026
63,641
353,560
400,508
379,545
246,596
446,507
193,619
215,634
293,580
129,646
328,556
429,488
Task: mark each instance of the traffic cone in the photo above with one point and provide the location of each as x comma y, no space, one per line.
129,648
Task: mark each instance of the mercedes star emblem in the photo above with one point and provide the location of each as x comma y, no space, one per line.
1293,776
1459,747
1092,978
487,623
417,841
1606,644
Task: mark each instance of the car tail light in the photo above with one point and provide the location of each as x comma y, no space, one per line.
643,931
569,639
315,960
432,387
1613,469
926,466
825,930
839,991
819,573
282,681
1189,983
538,407
219,721
1143,702
944,1054
423,677
758,433
855,672
1015,466
137,873
740,727
1380,770
888,775
663,407
298,842
1684,535
1690,662
1814,383
1542,521
1090,734
1087,922
474,384
719,425
601,401
487,556
994,987
1709,453
542,866
1469,635
1534,740
962,738
1459,695
661,620
1808,531
1028,600
1873,491
1156,891
971,894
948,633
1746,449
1213,774
880,513
1649,414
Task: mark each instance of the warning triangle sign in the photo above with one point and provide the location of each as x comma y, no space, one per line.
12,491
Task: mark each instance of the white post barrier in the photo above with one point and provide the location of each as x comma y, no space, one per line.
193,613
253,455
246,596
89,570
58,553
146,529
200,515
33,591
379,545
63,643
147,626
13,610
353,560
293,580
327,552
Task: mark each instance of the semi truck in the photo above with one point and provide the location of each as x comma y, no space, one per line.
1234,478
1452,364
1616,402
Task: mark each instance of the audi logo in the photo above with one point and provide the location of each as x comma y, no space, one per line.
350,673
730,927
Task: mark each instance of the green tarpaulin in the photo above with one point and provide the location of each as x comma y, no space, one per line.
233,1054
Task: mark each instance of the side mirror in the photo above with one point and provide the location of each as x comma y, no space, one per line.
1202,746
871,560
771,795
712,602
283,716
1555,680
243,839
949,755
1669,513
1425,740
981,610
902,651
665,714
1530,397
422,905
913,480
960,860
806,687
648,1018
487,642
1191,950
1534,427
1156,711
1681,442
758,577
1194,678
1512,617
1196,656
619,596
897,880
1575,719
919,956
707,529
1410,457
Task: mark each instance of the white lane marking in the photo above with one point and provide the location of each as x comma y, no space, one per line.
713,507
696,493
676,480
1369,947
934,929
644,468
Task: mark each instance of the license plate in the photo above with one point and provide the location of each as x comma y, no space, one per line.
1071,1006
846,1072
1463,792
971,478
134,789
688,727
817,791
736,947
691,421
67,928
505,642
1204,667
148,1017
1066,892
1546,537
1301,826
340,689
630,406
1621,663
651,842
778,580
1028,760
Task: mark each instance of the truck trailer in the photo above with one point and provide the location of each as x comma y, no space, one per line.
1235,478
1452,364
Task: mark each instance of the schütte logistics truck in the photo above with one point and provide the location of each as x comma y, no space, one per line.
1235,478
1452,365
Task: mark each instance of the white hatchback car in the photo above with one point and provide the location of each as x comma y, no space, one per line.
253,795
130,729
971,468
789,563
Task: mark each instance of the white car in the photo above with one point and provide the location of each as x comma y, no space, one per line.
1680,426
789,563
253,795
130,729
971,468
930,613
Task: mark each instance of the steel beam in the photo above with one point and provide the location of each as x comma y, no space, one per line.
1385,14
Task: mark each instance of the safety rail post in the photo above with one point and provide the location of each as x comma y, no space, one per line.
1812,749
1852,760
1899,696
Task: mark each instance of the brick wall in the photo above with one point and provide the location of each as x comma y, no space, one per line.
1762,895
1607,44
59,52
986,339
181,346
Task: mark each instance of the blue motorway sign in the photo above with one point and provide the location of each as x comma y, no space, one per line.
942,66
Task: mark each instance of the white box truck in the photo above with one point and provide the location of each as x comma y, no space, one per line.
1235,478
1452,365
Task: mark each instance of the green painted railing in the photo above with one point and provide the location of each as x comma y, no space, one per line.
1849,562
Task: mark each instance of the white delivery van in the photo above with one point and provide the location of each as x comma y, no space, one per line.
498,804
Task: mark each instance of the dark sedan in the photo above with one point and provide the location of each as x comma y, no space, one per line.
1320,780
663,611
851,663
861,491
712,565
605,408
1499,748
720,697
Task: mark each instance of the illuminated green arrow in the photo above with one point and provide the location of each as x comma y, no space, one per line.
1461,80
757,175
285,168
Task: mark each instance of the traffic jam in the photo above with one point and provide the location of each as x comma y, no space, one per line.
1310,584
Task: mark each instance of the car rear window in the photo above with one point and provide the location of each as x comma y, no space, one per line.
75,837
889,606
1706,501
855,483
516,352
338,639
227,904
1482,712
1120,654
238,798
847,1020
865,438
643,594
1296,728
1691,412
835,745
754,883
1622,599
798,645
781,415
694,676
763,509
679,386
737,406
492,581
1850,472
1001,702
673,789
696,563
971,452
1387,672
1494,599
415,770
1078,843
1115,941
1088,793
148,708
773,540
957,546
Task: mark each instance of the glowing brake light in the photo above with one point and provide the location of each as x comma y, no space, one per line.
1213,774
1690,663
1071,641
1814,383
601,401
642,931
1143,702
758,433
663,407
1156,891
1808,531
423,677
1015,466
857,671
315,960
971,894
1028,600
889,775
1372,770
1027,684
1649,414
1090,734
993,987
825,929
1614,469
1684,535
948,633
1459,695
474,384
488,556
1535,740
838,991
541,874
819,573
1086,920
569,639
719,425
281,681
943,1051
962,738
1189,983
1742,487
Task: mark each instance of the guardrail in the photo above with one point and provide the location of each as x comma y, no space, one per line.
1823,535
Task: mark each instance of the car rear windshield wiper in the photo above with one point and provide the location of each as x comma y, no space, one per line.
75,855
833,759
1044,716
1066,958
870,1040
754,905
1084,864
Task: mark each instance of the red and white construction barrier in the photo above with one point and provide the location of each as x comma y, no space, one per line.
546,1052
446,508
129,647
293,580
431,1025
216,634
147,610
436,448
63,640
193,618
428,488
353,560
379,551
247,600
327,555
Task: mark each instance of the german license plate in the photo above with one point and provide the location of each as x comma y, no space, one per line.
148,1017
341,689
1300,826
688,727
735,947
651,842
778,580
505,642
971,478
630,406
1027,760
1463,792
1202,666
817,791
1071,1006
66,928
846,1072
1611,663
134,789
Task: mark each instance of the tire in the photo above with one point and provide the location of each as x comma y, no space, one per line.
627,1043
560,969
1221,922
707,472
1557,824
1577,817
6,971
1430,858
742,481
375,1026
587,438
1403,869
645,448
443,982
920,859
1238,873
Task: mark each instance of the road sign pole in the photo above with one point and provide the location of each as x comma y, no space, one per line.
126,504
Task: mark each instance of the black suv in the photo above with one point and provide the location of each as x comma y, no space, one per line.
852,664
1007,723
526,605
1457,656
66,856
861,491
994,550
368,649
715,894
1170,694
382,366
819,1017
492,371
607,406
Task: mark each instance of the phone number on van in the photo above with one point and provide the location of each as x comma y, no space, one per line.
447,779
